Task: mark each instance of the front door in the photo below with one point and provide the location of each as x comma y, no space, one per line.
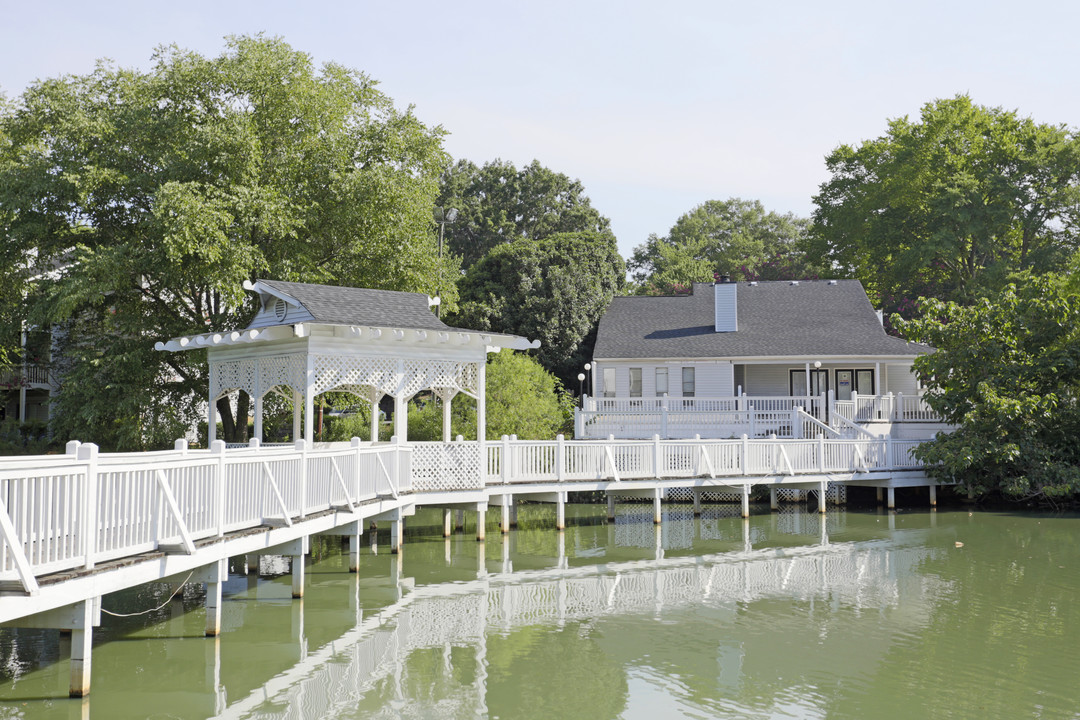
819,382
845,380
819,385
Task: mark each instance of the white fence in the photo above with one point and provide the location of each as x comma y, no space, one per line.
84,508
534,461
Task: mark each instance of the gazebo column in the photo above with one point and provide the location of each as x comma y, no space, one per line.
481,418
446,418
297,404
258,403
211,421
375,398
401,418
309,402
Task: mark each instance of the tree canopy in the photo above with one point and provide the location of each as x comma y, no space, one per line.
497,204
731,237
948,205
145,199
1007,372
553,290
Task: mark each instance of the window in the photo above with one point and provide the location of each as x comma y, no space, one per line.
635,382
688,382
661,382
609,382
864,382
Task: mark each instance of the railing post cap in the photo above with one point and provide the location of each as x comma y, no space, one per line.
460,438
217,446
87,451
506,438
355,442
560,437
181,444
254,442
300,444
72,447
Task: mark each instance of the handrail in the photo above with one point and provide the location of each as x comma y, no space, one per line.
855,426
809,419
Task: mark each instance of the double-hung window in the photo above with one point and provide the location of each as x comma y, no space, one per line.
688,383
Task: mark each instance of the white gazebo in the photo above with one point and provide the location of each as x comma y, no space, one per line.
309,339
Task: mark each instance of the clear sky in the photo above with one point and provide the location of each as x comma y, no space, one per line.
654,106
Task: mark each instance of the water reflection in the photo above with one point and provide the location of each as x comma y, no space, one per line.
787,614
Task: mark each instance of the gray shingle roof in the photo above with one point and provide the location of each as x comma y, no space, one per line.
361,306
776,319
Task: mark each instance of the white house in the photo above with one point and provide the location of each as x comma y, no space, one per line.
736,346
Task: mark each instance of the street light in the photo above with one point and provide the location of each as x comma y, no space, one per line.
442,216
580,388
588,367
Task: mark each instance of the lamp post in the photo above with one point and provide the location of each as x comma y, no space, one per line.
581,388
588,374
443,216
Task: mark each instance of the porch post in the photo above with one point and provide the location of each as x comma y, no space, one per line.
877,378
808,379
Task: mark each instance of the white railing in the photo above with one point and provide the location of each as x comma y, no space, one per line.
536,461
84,508
889,408
914,408
734,403
641,418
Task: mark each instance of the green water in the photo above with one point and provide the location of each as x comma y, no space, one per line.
945,614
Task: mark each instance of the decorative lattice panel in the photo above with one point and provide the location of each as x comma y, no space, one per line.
445,466
287,371
369,378
335,371
232,375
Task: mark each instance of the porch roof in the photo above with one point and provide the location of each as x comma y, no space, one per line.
775,319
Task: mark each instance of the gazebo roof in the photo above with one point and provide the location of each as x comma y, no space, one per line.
342,306
296,310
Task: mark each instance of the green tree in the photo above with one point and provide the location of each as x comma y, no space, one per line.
950,204
1007,372
522,399
731,237
498,203
157,193
553,290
